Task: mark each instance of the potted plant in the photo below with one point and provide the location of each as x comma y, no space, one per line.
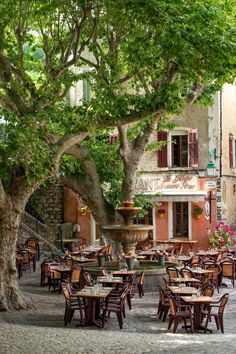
130,259
161,213
197,211
221,236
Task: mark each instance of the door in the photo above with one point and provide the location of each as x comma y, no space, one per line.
180,219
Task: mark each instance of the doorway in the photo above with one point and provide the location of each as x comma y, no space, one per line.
180,219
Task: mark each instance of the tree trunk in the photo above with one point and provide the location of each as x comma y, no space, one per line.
10,295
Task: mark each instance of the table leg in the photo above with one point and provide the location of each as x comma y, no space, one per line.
197,318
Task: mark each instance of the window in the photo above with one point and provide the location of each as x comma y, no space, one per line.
179,154
232,151
181,149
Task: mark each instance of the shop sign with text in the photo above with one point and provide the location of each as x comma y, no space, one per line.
156,184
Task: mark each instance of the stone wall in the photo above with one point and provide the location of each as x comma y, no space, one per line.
48,202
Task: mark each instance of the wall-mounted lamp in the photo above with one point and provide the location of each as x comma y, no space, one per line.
211,167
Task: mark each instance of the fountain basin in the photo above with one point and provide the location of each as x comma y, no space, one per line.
127,235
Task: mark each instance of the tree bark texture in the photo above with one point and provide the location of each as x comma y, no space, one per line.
10,295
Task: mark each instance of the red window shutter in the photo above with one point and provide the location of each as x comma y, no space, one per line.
230,151
113,138
162,154
193,147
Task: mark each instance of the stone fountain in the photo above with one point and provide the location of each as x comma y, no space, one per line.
127,233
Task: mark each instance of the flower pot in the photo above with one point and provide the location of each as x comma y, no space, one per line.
161,215
128,203
101,260
130,263
161,260
197,216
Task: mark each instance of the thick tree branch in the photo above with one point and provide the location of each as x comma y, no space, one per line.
197,91
89,185
63,144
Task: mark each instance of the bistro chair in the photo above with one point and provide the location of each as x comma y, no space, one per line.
194,261
75,276
186,273
172,272
179,312
26,259
55,278
115,302
87,278
72,303
140,284
228,270
214,277
207,290
69,261
33,243
45,273
216,310
164,304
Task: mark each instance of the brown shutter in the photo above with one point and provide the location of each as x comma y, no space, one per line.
193,147
162,154
230,151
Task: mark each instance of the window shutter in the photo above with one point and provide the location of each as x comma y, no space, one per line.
230,151
162,154
113,138
193,147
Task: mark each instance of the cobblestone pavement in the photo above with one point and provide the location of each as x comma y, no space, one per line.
41,330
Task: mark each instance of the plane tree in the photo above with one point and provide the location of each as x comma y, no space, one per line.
144,60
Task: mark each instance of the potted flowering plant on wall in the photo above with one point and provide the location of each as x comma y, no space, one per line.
221,235
161,213
197,211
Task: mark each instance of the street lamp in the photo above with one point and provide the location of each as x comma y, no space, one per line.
211,168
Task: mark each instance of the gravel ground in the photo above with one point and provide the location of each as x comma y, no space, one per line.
42,330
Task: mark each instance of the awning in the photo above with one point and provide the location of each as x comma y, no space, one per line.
181,196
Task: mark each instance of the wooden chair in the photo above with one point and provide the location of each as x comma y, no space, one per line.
194,261
72,303
115,302
33,243
207,290
218,315
228,270
88,280
55,278
109,253
165,284
164,304
45,273
186,273
140,284
172,272
75,276
69,261
26,259
179,312
214,277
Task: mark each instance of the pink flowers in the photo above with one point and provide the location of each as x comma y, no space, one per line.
221,235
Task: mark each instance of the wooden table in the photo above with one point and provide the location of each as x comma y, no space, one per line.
177,241
185,280
124,274
187,290
197,303
110,280
93,302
